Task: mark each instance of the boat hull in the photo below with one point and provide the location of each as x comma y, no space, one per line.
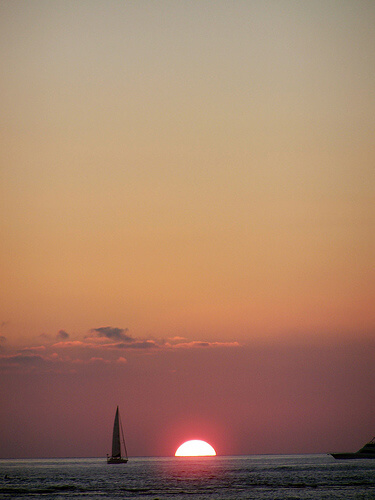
352,456
366,452
116,460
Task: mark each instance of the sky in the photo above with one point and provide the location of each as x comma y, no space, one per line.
187,221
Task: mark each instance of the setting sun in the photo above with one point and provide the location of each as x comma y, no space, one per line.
195,448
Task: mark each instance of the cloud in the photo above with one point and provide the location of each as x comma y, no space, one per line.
71,343
112,333
2,339
141,344
102,346
62,335
202,344
125,341
128,342
22,360
33,349
177,340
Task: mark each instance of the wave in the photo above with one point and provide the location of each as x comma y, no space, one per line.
17,490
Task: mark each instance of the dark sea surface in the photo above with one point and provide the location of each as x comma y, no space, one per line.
246,477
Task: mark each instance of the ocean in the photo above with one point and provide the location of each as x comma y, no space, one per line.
264,477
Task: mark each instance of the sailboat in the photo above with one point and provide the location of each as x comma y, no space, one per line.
116,457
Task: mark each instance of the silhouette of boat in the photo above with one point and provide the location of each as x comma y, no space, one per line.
116,457
368,451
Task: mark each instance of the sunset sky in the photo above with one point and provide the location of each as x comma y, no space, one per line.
187,218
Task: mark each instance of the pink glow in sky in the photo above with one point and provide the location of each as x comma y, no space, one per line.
187,225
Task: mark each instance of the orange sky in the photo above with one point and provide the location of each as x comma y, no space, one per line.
179,169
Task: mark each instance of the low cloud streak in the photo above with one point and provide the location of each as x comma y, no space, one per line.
104,343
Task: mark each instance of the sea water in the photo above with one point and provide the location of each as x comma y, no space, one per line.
251,477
